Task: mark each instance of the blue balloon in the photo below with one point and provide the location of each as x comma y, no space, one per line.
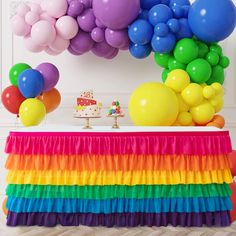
161,30
211,20
179,3
163,44
166,2
140,51
160,14
186,10
173,25
143,15
30,83
148,4
184,31
140,32
178,11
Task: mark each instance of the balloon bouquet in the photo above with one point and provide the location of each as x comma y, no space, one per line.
32,93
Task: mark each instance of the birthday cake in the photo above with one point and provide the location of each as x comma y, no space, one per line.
87,106
115,109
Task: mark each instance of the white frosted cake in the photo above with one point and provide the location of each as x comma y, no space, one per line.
87,106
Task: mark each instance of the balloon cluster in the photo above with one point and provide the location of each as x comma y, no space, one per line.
159,26
205,63
32,93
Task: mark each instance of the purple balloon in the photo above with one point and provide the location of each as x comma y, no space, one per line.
82,42
86,20
75,8
116,14
99,24
102,49
73,52
87,3
98,35
117,38
113,54
50,74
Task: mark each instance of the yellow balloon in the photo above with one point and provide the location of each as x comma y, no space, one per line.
177,80
185,118
32,112
218,88
153,104
192,94
209,92
203,113
182,105
217,102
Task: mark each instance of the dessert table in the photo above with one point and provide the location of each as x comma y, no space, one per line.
153,176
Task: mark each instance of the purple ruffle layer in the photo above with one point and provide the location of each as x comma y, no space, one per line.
120,219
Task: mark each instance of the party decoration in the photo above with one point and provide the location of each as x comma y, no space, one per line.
212,22
34,94
32,112
232,159
233,199
153,104
4,206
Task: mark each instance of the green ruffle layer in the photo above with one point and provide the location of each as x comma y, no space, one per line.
119,191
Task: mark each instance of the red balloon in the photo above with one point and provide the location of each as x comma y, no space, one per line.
233,199
232,158
12,99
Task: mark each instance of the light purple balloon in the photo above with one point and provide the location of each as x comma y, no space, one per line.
98,35
116,14
86,20
87,3
117,38
50,74
82,42
102,49
75,8
99,24
113,54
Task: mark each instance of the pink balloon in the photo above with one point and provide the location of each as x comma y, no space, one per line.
51,52
32,17
31,46
67,27
23,9
98,35
35,7
60,44
19,26
117,38
43,33
103,49
55,8
45,16
87,20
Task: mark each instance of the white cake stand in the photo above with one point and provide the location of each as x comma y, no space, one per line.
87,125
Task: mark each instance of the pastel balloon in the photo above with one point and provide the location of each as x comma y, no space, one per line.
98,35
60,44
153,104
31,17
32,112
102,49
51,99
19,26
140,51
86,20
115,14
55,8
11,99
75,8
45,16
117,38
31,46
67,27
35,7
50,74
51,52
23,9
163,44
43,33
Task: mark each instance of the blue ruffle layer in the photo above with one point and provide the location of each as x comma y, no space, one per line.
109,206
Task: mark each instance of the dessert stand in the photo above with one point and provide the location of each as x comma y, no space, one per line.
116,116
87,119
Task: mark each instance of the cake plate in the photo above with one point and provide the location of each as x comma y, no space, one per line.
116,125
87,125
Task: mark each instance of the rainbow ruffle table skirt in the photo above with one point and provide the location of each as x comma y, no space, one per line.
121,178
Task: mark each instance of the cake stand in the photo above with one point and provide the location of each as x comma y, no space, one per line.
116,125
87,125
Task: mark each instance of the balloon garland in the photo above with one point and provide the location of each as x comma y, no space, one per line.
32,93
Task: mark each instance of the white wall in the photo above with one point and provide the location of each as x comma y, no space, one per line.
110,80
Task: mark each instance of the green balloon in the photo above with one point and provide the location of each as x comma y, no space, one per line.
173,64
186,51
202,49
199,71
15,71
165,75
224,62
213,58
162,59
216,48
217,76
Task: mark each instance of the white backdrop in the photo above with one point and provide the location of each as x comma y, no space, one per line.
110,80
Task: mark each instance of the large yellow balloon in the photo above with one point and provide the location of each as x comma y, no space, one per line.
203,113
178,80
32,112
153,104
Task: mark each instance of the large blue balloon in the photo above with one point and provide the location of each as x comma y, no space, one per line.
30,83
148,4
163,44
140,32
140,51
211,20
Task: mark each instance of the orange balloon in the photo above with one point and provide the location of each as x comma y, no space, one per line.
214,124
50,99
4,206
233,199
219,120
